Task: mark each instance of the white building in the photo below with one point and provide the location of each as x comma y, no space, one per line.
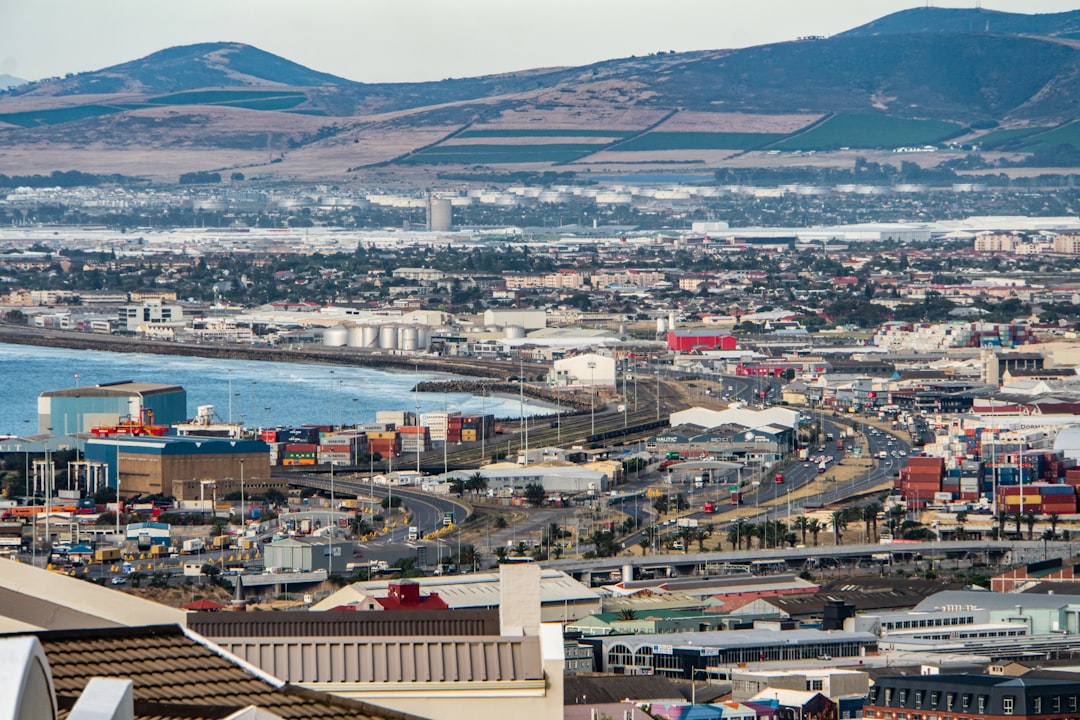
588,370
528,319
151,315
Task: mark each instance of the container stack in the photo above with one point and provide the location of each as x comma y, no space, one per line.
300,454
921,480
386,443
437,424
1038,498
414,439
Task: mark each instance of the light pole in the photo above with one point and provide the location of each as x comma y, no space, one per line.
254,406
229,371
592,397
78,422
243,513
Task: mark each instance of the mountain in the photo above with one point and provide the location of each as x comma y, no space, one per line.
7,81
190,67
926,77
969,21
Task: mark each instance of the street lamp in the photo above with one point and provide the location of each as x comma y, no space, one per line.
592,397
243,513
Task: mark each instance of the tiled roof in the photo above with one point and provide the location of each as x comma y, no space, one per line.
175,676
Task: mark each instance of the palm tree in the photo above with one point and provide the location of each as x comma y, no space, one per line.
468,556
687,534
870,517
644,544
700,536
476,483
802,524
1029,520
839,521
500,553
521,549
1016,518
739,529
359,526
961,518
1054,519
815,526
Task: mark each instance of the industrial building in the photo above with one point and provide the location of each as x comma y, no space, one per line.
965,696
689,340
186,468
80,409
588,370
566,478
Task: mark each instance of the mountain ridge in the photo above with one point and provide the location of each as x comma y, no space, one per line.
877,82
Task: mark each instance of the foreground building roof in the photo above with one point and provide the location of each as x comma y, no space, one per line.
176,675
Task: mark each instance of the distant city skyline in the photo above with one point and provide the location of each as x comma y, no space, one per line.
393,41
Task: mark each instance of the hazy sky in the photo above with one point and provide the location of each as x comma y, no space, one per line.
404,40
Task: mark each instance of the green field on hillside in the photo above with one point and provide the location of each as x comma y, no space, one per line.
217,97
499,154
282,102
1064,135
698,141
859,130
998,139
34,118
543,132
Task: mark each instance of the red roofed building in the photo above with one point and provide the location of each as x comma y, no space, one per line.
405,595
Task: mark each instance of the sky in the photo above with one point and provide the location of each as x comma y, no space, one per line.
415,40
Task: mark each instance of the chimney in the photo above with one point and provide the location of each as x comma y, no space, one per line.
238,604
519,599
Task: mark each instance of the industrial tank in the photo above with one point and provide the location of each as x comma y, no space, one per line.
356,336
515,332
370,336
408,339
388,337
441,215
335,336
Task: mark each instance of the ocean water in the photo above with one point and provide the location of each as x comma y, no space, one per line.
262,394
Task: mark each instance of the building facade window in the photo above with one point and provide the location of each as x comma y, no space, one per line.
1007,704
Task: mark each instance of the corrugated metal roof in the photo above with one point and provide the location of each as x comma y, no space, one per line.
411,660
345,623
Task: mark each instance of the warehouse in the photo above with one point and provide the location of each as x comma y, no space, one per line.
689,340
79,409
554,478
181,466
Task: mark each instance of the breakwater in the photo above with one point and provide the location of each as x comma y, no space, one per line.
570,402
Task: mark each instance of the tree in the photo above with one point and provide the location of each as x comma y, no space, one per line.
686,535
644,543
604,543
802,524
1029,520
521,548
839,522
870,517
700,536
390,502
815,527
660,504
535,494
500,553
476,483
1054,519
359,526
961,518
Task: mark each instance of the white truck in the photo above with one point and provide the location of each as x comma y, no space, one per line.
195,545
414,533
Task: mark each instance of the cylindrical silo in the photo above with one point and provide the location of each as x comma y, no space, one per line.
515,332
370,336
335,336
356,336
408,339
423,337
388,337
441,215
661,326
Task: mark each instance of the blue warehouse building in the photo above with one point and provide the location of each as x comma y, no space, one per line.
77,410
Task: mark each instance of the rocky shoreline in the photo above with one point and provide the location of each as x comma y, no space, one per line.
22,335
571,403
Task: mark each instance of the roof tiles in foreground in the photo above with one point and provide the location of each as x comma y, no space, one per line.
175,675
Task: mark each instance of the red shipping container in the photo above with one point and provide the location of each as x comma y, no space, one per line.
268,436
336,448
300,447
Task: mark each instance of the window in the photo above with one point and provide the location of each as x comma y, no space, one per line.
1055,703
950,700
903,696
918,698
620,656
965,701
1036,704
1072,703
1007,704
935,697
982,703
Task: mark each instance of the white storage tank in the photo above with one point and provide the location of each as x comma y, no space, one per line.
370,336
408,339
388,337
515,332
356,336
423,334
661,326
335,336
